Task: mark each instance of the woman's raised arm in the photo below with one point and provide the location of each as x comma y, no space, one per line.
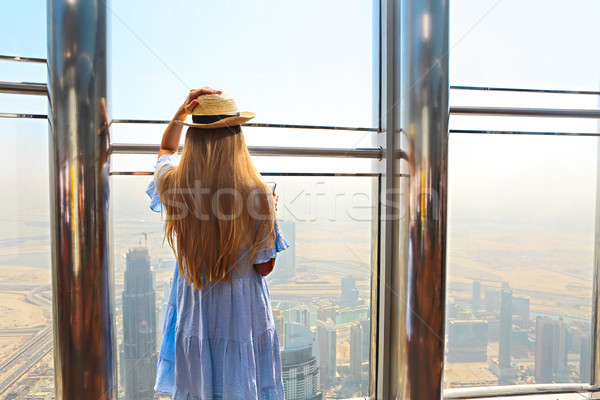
172,135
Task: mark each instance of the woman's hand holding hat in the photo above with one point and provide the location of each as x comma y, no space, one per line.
170,140
191,102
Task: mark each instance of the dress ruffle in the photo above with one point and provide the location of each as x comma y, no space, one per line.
279,245
167,161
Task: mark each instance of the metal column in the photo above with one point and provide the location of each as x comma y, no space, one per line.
81,268
414,118
425,115
391,333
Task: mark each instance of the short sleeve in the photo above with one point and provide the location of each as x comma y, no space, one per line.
164,163
279,245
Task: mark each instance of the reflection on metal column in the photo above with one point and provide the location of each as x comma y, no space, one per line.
81,275
391,333
424,121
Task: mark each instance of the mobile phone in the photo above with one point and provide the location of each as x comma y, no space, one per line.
272,186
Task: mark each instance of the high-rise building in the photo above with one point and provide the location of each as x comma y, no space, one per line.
476,295
492,300
505,329
327,337
366,346
166,289
279,326
356,352
139,327
467,340
349,290
299,364
301,315
550,350
584,359
286,260
520,306
327,312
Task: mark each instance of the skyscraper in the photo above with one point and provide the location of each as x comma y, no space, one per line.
299,364
467,341
356,344
327,337
301,315
286,260
584,359
505,329
476,295
366,346
139,327
550,350
349,290
325,312
279,326
520,306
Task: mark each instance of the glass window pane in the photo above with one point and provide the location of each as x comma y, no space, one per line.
545,44
23,104
320,287
23,28
26,361
294,63
14,71
520,259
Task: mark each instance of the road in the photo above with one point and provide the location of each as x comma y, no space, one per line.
22,360
28,358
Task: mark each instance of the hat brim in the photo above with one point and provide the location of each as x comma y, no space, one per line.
244,116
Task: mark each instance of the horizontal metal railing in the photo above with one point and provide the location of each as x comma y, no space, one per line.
23,59
488,132
256,125
39,89
526,112
513,390
275,174
523,90
26,116
374,153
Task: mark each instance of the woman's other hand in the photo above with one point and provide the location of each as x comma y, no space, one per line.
265,268
191,102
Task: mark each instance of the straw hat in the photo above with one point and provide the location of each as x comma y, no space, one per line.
216,111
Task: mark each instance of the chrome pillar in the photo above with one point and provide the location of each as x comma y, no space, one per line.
595,335
81,274
424,121
391,337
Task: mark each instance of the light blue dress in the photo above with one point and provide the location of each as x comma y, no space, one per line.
219,342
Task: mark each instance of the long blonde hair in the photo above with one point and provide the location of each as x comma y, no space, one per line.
217,205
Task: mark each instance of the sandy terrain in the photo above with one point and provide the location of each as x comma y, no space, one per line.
21,275
16,313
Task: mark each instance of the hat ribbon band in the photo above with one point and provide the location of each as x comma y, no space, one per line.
209,119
